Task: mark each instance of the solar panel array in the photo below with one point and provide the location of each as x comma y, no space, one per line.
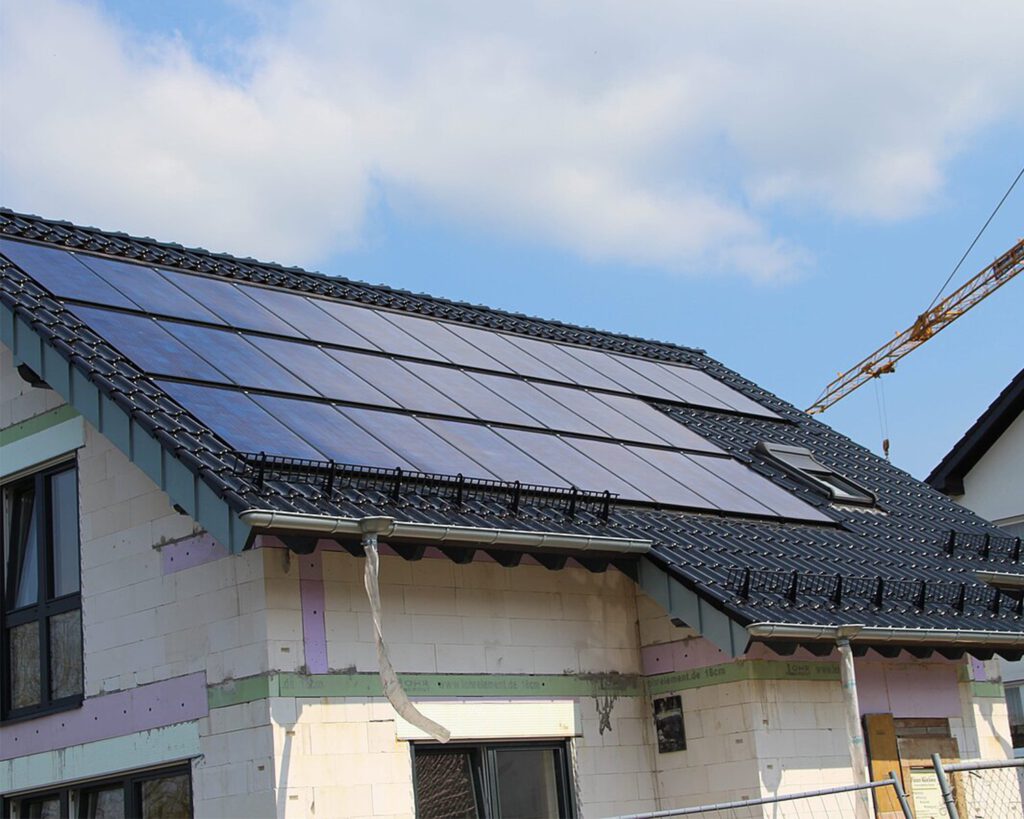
311,377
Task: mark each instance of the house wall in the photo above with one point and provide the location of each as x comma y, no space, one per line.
994,488
165,611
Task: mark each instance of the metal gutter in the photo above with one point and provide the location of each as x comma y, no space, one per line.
882,634
1001,579
270,520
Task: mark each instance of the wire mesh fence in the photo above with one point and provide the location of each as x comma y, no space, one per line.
979,790
852,801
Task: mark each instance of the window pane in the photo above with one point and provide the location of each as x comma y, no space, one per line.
104,803
445,785
64,517
166,798
527,782
23,555
24,648
46,808
66,654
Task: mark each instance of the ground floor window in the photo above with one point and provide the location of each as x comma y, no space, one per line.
527,781
162,794
1015,709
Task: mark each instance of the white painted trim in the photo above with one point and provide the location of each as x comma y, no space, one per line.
105,757
39,448
497,719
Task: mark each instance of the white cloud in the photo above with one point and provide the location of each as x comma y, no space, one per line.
655,133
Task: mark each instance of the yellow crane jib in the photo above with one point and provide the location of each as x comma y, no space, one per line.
883,360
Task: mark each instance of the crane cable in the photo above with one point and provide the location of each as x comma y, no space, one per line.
976,238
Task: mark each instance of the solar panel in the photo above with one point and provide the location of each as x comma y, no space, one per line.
448,347
400,385
722,392
570,368
630,380
60,272
376,329
683,390
497,455
528,398
305,316
421,447
239,421
330,432
774,497
716,491
150,347
638,472
575,468
612,423
147,288
242,361
497,346
324,374
229,303
478,401
667,430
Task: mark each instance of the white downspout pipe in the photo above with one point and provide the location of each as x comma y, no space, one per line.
854,732
371,528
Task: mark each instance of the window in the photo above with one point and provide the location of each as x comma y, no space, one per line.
487,781
1015,712
799,461
40,598
165,794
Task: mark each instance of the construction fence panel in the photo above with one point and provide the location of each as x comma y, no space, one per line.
978,790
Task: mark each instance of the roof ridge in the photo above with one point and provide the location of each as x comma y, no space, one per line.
670,350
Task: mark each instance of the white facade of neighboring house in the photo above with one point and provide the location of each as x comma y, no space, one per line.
985,472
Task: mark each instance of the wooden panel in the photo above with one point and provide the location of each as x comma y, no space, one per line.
916,753
883,755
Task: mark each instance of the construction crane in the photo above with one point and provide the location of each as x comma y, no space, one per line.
883,360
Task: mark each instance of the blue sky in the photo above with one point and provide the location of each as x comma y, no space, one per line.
785,188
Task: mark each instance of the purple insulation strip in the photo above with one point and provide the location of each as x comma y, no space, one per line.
314,632
109,715
192,551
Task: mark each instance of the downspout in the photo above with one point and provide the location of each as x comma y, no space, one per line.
371,528
854,732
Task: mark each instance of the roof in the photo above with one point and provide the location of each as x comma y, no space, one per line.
948,475
166,371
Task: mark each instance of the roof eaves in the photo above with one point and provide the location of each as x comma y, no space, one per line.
948,475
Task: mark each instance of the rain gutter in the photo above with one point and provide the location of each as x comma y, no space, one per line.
330,526
883,634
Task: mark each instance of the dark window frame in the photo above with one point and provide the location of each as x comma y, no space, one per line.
484,767
47,605
131,782
837,487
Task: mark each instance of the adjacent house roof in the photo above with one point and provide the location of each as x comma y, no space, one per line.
238,386
948,476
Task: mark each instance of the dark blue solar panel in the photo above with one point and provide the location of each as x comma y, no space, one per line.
148,288
229,303
147,344
575,468
496,454
478,401
305,316
547,412
614,424
243,363
760,488
239,421
60,272
447,345
683,390
722,392
704,482
497,347
630,380
422,448
636,471
397,383
570,369
330,432
372,326
323,373
668,430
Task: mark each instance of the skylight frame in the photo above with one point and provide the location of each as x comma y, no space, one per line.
801,463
